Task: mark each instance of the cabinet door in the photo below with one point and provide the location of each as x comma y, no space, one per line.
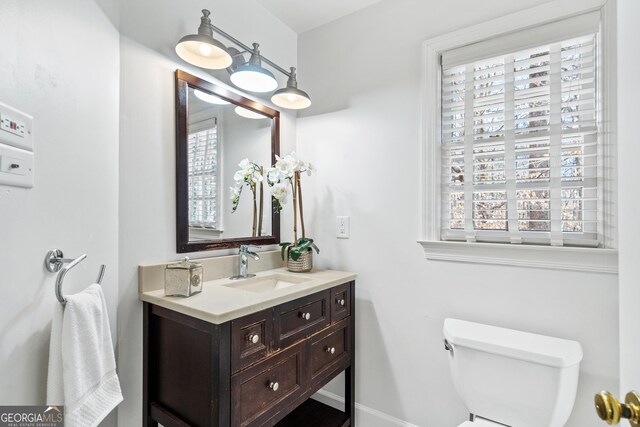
250,339
301,318
259,392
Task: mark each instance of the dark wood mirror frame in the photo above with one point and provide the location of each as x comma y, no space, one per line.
183,81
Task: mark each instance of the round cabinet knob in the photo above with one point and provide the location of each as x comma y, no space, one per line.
305,316
274,386
611,411
254,338
340,301
330,350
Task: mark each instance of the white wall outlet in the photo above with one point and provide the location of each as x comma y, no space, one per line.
342,226
16,128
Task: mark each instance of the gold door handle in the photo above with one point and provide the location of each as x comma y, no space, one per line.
611,411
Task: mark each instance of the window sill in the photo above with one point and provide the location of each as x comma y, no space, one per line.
594,260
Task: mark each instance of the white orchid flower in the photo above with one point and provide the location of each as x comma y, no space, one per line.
245,164
308,167
256,177
281,193
235,192
239,176
273,176
287,165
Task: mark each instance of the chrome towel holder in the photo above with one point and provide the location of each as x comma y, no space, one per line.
55,262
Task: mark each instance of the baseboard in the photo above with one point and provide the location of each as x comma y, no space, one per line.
365,416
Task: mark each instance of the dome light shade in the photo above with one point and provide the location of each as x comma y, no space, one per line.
201,49
291,97
207,97
251,76
248,114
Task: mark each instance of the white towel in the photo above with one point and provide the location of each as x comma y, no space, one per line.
82,367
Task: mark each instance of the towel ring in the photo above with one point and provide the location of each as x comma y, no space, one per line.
54,262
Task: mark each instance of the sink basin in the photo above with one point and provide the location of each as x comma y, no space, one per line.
268,283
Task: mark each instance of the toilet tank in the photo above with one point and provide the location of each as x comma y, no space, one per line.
512,377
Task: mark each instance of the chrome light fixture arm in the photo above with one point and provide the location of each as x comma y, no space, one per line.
248,49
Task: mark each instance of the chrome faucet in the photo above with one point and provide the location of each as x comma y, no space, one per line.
245,253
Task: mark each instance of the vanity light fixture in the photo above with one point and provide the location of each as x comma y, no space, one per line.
250,75
211,99
201,49
248,114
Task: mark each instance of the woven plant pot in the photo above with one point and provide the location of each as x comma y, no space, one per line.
302,265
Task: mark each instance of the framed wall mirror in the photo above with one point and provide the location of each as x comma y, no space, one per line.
221,136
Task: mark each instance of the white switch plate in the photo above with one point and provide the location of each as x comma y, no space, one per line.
16,167
16,128
342,227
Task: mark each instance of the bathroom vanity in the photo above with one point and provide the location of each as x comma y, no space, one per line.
250,352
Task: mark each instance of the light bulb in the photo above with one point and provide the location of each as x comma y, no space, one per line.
291,97
205,49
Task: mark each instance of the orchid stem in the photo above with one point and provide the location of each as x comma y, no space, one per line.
300,203
260,213
295,211
255,210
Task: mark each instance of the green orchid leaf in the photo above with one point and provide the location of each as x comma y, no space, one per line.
313,245
283,251
303,246
295,255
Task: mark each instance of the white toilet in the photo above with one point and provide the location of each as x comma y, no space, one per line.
512,378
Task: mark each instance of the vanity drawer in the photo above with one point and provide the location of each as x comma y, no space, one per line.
250,339
329,351
340,302
262,390
301,318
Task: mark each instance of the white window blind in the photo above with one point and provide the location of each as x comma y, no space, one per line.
203,174
520,148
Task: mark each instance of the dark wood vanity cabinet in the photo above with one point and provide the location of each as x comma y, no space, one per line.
257,370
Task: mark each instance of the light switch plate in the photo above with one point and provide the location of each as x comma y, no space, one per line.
16,167
342,227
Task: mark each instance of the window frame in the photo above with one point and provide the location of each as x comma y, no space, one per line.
196,126
602,259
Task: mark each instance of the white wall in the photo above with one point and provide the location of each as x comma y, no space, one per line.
147,139
629,174
60,64
363,133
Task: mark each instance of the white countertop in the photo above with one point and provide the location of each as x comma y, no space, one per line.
219,303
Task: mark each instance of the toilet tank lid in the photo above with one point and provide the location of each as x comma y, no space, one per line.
526,346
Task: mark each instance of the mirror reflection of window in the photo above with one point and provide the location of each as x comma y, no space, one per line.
203,174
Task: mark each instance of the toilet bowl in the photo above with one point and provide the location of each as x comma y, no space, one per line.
512,378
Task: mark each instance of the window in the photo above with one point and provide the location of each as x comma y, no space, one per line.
520,138
519,158
203,174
